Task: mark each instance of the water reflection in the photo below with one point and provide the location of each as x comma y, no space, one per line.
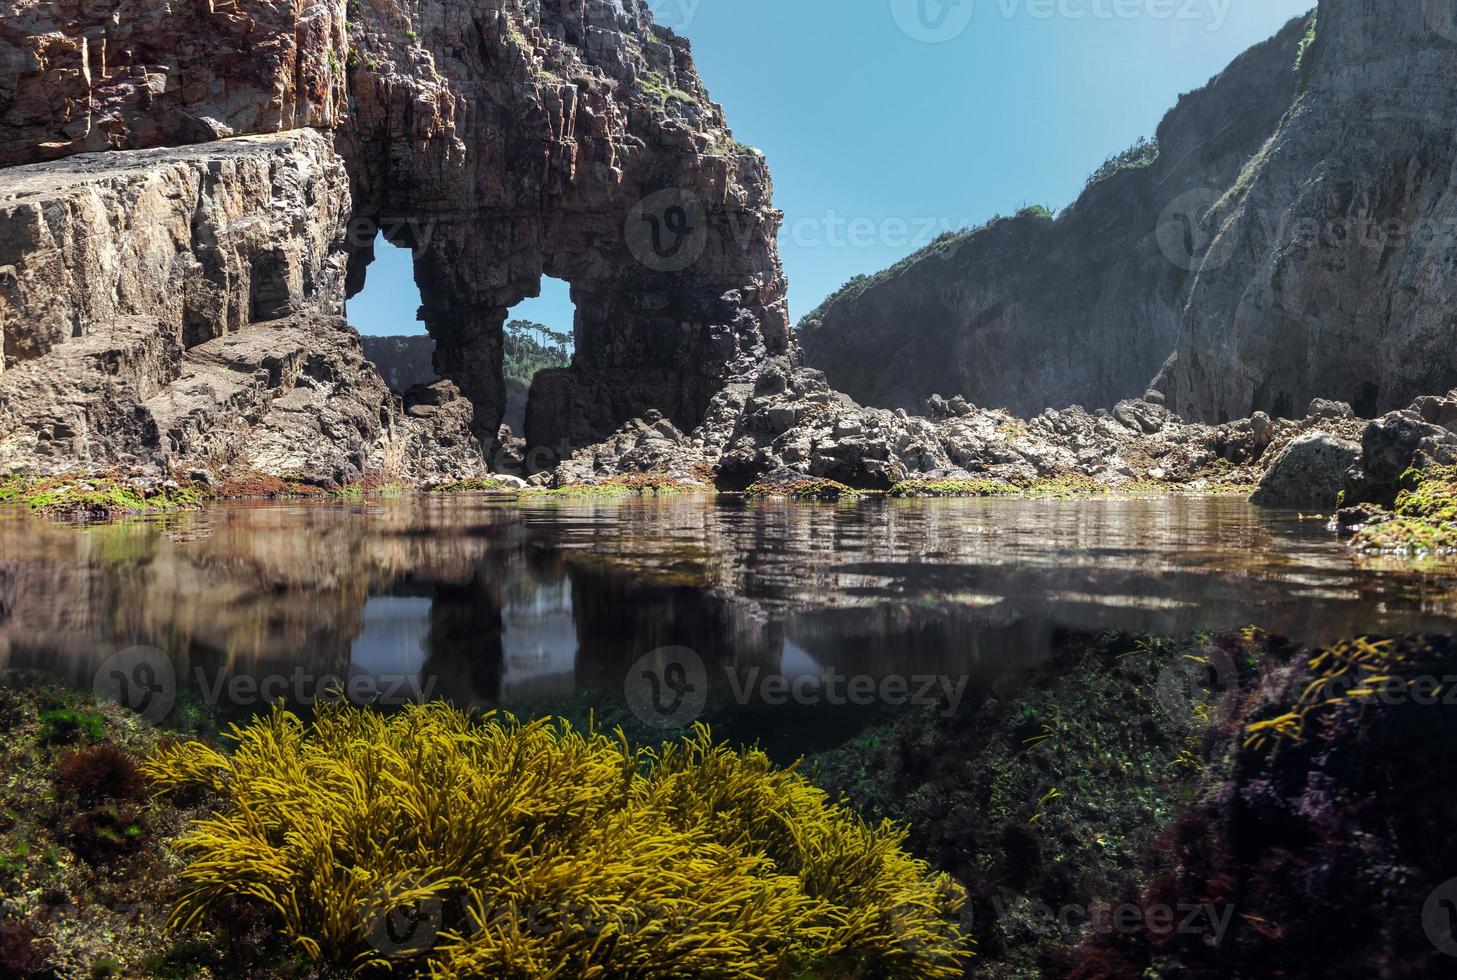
545,605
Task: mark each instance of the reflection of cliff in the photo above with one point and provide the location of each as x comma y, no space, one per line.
531,604
619,620
256,589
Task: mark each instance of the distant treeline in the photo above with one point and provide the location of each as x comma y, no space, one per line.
531,347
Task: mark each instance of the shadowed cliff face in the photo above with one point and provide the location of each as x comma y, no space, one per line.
1030,312
499,141
1292,241
1328,271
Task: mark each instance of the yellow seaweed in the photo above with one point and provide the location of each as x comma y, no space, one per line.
428,843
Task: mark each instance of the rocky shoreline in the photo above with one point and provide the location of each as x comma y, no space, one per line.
789,434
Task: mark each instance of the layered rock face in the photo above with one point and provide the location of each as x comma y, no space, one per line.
1030,312
206,238
179,309
503,141
500,141
1292,241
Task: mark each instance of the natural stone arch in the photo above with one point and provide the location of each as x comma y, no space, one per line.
500,139
545,139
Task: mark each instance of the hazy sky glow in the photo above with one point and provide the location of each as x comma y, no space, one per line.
888,121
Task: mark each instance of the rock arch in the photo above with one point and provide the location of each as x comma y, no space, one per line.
545,139
502,140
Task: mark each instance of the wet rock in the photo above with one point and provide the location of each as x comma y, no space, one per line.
1349,520
1392,445
1310,472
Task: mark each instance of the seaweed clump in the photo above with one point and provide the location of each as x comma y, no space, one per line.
1422,522
953,488
431,842
98,497
1325,796
801,488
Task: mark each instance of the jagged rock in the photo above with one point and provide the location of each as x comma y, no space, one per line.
1396,443
1248,439
794,421
651,444
1310,472
88,75
1142,416
788,423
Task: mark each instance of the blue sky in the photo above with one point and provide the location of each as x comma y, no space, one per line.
886,121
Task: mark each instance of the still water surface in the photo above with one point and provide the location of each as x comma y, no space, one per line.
551,606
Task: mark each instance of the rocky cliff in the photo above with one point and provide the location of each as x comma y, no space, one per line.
1329,264
254,151
1031,312
1292,241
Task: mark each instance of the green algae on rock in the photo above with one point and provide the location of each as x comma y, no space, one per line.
1423,521
99,497
803,488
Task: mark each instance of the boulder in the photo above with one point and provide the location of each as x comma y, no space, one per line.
1310,472
1392,445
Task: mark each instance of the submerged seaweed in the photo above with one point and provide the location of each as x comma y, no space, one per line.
430,842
